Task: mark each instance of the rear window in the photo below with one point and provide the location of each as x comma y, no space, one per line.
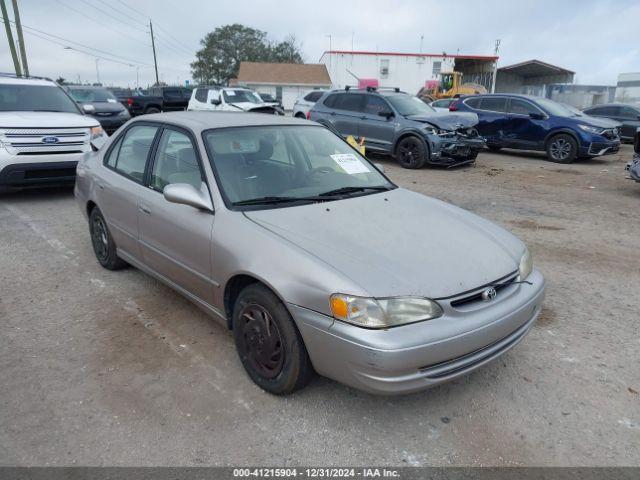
35,98
494,104
313,96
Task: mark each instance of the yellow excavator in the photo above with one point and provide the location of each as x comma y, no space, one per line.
450,86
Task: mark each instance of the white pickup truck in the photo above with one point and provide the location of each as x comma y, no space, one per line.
230,99
43,133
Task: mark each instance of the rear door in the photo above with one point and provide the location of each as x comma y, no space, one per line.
492,112
346,112
378,131
121,183
522,131
175,240
172,99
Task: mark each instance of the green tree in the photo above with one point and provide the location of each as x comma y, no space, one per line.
222,50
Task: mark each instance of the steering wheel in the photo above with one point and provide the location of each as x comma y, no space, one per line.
314,172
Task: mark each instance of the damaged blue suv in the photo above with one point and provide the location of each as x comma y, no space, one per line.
398,124
525,122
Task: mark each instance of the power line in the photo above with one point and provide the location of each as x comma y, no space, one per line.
81,45
134,9
104,12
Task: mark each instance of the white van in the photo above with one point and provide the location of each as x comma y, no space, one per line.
43,133
229,99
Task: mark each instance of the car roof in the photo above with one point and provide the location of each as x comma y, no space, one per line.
200,121
86,87
12,80
613,105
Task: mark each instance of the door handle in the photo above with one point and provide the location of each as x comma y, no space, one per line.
332,113
144,209
363,117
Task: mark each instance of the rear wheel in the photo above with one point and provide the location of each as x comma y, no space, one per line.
152,110
268,342
300,115
411,153
102,242
562,148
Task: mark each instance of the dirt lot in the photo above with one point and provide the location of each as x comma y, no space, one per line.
104,368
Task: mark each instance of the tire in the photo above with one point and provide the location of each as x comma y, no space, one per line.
260,320
301,115
102,242
562,148
152,110
411,152
494,148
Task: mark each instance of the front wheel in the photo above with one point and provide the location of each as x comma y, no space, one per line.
562,149
268,342
411,153
102,242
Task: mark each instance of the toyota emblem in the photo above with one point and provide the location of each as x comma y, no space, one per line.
489,294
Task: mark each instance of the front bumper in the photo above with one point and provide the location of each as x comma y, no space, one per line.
38,170
455,149
417,356
633,167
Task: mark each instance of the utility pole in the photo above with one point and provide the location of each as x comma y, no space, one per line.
23,52
98,71
153,45
495,67
12,47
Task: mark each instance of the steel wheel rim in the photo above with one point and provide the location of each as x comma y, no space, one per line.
99,238
261,343
408,151
560,149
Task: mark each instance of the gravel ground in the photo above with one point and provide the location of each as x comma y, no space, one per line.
113,368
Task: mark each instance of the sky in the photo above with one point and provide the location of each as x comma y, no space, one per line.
595,38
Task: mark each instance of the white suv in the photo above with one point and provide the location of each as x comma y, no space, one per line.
228,99
303,104
43,133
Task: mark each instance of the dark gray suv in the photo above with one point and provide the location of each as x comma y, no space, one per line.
396,123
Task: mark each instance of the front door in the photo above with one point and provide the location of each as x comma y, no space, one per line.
176,239
378,131
521,130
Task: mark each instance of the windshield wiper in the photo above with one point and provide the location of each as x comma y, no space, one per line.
274,200
346,190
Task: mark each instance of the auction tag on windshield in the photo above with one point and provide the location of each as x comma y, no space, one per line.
231,93
111,100
350,163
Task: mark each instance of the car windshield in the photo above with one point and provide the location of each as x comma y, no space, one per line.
35,98
408,105
555,108
88,95
241,96
272,166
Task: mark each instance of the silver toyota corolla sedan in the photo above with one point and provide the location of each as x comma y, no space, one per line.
307,252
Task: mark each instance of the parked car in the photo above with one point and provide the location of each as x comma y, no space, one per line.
633,167
305,250
106,108
443,104
159,99
229,99
270,100
398,124
627,115
43,133
304,103
525,122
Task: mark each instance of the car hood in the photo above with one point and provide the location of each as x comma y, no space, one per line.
447,120
249,106
106,107
399,243
45,120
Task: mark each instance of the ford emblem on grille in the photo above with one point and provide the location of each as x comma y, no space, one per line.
489,294
50,140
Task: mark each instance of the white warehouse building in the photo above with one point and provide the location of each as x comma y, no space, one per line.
628,88
407,71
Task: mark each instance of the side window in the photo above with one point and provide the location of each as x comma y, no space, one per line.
330,101
521,107
176,162
374,105
313,96
494,104
113,153
201,95
473,102
134,151
629,113
350,101
593,111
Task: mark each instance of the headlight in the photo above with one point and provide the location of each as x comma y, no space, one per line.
96,132
590,129
383,312
526,265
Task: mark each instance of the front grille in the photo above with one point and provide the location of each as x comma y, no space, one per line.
26,141
600,148
476,294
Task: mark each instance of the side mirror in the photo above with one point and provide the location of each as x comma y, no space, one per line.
536,116
386,114
379,166
88,108
215,101
185,194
